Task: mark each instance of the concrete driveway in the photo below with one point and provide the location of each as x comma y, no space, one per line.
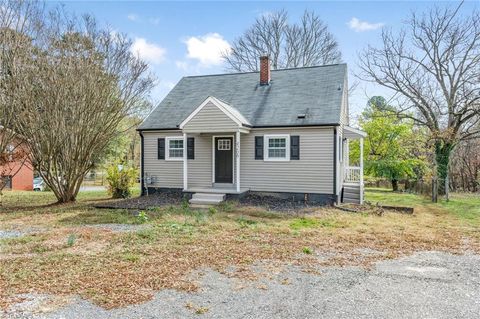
425,285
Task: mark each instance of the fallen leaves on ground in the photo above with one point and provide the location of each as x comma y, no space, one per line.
115,269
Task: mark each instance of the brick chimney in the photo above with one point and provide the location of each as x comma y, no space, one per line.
264,70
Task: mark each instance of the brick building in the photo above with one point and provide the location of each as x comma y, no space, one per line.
17,172
22,180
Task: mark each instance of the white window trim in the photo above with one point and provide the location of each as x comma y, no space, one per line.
233,157
167,148
229,144
266,158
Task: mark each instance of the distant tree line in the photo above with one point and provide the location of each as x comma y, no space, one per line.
433,67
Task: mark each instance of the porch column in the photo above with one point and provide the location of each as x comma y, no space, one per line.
237,158
185,161
361,170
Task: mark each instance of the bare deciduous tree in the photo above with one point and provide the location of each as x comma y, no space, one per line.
307,43
73,85
15,28
465,166
433,65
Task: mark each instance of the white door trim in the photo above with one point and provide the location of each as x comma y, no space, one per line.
213,156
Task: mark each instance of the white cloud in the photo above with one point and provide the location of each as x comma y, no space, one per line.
154,21
182,65
361,26
207,49
148,51
132,17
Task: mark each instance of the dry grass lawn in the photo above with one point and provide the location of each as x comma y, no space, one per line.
61,254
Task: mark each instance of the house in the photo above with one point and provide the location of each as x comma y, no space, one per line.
281,132
16,172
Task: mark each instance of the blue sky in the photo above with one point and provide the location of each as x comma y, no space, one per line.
183,38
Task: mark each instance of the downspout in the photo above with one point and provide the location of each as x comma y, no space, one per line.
335,164
142,174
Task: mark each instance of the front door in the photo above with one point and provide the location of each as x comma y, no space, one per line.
223,160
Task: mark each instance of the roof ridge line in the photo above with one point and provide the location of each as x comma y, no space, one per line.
277,70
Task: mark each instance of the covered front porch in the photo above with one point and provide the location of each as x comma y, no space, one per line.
353,184
217,165
217,130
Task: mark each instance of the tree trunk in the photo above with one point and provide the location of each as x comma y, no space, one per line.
66,193
434,190
442,158
394,185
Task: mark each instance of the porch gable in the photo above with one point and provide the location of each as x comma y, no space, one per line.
214,115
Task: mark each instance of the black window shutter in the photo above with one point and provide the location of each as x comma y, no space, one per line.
191,148
259,147
294,147
161,148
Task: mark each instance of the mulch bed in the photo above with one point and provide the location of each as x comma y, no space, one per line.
144,202
175,198
276,203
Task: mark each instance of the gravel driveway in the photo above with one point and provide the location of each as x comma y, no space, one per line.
425,285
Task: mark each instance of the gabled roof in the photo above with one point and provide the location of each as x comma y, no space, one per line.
229,110
314,91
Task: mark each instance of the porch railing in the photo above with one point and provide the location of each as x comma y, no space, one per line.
353,174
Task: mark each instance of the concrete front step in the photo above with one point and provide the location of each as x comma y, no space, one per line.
200,206
204,201
207,198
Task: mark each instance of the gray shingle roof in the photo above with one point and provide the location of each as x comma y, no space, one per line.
290,93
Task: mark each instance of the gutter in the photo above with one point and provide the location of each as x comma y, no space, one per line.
254,127
335,162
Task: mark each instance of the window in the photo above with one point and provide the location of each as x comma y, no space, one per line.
174,148
6,181
224,145
277,147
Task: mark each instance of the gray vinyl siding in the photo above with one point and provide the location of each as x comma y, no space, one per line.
200,169
313,173
210,118
168,174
